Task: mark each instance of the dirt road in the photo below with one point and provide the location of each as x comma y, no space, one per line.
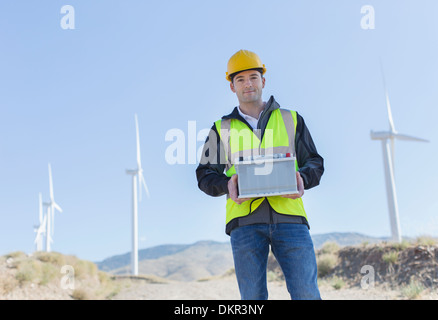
226,289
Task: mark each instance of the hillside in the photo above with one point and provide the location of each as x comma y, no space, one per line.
52,276
409,267
119,261
393,271
188,262
185,263
343,239
393,264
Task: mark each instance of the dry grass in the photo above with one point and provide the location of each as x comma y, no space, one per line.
43,274
326,262
426,240
390,257
409,269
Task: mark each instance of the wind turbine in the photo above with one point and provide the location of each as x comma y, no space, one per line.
51,207
141,181
388,138
41,228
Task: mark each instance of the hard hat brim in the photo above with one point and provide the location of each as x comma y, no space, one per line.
231,76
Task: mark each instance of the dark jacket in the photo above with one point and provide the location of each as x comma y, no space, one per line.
213,181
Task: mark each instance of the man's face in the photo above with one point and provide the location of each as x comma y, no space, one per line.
248,86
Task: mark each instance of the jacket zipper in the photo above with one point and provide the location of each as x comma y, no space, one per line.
271,217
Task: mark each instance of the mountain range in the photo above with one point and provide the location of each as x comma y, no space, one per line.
203,259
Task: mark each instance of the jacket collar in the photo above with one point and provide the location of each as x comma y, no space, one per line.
271,105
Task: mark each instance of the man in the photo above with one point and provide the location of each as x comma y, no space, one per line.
277,221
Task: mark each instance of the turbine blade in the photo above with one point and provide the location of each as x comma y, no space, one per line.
38,235
391,121
40,208
57,207
41,229
388,105
43,225
409,138
138,142
50,183
392,146
50,238
142,181
52,221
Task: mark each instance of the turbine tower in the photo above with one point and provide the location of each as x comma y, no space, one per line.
51,207
141,181
388,138
41,228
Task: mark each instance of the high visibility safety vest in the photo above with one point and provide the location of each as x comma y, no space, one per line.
240,141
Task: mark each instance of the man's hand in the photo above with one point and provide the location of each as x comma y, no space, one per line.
300,186
233,191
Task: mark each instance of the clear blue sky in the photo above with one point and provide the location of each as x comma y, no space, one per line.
68,97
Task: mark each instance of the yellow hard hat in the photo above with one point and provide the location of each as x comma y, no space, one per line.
243,60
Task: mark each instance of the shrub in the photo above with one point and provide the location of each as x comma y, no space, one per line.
51,257
330,247
7,284
80,294
326,263
16,255
365,243
401,246
49,272
413,289
426,241
83,268
28,270
390,257
337,283
271,276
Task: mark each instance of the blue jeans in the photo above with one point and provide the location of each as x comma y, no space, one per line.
292,247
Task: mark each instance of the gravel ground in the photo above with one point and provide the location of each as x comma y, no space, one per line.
226,289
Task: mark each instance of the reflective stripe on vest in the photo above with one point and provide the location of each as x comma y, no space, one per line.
240,141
